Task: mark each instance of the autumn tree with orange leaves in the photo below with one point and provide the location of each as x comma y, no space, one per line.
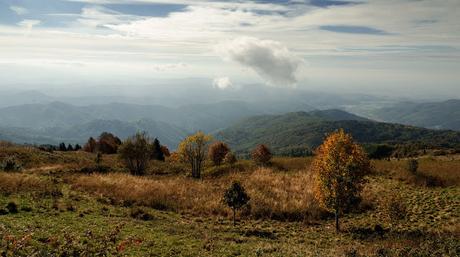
339,168
217,152
261,155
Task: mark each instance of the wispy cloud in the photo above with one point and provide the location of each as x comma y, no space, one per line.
29,24
19,10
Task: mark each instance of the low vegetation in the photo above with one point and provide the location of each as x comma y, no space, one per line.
65,204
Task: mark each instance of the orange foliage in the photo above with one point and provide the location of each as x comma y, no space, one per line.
339,168
261,155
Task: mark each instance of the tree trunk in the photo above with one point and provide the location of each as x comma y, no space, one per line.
337,227
234,217
193,168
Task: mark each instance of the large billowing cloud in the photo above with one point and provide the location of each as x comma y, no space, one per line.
270,59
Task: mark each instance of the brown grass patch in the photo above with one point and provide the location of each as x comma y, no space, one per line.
273,195
13,183
432,171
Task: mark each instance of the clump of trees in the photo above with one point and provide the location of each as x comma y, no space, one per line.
261,155
217,152
136,153
90,146
107,143
193,149
236,197
339,168
379,151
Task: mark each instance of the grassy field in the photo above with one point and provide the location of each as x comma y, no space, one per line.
58,206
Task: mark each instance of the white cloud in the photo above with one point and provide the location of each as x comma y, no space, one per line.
270,59
222,83
169,66
29,24
101,17
246,5
19,10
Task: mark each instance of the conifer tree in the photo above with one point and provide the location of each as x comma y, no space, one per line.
157,153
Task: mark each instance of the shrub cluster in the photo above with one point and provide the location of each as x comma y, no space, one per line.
10,164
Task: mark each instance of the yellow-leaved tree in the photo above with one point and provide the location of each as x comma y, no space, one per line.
339,168
193,151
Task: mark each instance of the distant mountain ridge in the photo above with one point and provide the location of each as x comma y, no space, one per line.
436,115
56,121
308,129
168,135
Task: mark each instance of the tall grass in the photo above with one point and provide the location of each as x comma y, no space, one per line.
273,195
13,183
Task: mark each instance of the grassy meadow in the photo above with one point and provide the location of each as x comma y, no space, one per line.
64,204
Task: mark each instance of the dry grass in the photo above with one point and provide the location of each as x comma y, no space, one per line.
13,183
439,171
31,157
273,195
291,163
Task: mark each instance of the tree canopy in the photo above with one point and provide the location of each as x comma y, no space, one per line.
339,167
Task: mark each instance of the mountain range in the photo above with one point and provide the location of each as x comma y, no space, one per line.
435,115
297,130
289,120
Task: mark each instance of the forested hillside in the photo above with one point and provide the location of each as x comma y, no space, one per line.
299,130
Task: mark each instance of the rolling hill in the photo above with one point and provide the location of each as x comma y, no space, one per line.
307,130
437,115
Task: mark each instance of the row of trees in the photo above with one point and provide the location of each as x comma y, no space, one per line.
339,167
194,150
61,147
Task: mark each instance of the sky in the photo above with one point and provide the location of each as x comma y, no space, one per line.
394,47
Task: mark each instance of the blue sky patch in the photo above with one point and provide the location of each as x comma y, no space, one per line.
353,29
327,3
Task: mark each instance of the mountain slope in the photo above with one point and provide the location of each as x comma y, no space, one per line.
302,129
439,115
